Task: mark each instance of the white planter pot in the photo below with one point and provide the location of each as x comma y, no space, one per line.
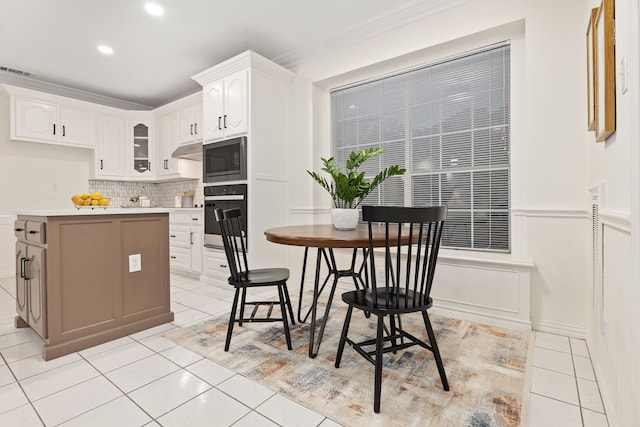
344,219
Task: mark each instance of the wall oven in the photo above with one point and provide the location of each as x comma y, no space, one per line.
225,160
223,197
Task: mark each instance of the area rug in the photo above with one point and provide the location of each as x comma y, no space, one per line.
485,367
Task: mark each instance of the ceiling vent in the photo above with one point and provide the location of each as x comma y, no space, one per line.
14,71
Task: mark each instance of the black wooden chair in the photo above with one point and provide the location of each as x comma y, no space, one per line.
411,249
242,277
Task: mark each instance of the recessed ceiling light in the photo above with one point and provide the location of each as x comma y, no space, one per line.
105,49
154,9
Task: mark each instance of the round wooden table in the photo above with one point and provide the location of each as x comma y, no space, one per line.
325,237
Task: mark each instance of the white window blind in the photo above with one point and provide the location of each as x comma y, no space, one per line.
448,124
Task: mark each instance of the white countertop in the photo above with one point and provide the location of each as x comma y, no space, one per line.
94,211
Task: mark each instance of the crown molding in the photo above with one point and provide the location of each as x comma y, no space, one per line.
420,9
68,92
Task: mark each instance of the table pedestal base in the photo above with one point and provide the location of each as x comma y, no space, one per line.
327,255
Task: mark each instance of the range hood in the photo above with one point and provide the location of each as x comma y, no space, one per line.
189,151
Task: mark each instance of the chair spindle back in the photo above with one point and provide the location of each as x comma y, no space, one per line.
234,240
412,242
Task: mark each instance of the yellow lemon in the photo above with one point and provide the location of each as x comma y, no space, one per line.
85,196
104,202
86,202
95,202
96,196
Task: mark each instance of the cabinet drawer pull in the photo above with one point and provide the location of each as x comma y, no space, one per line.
33,231
19,229
172,257
223,265
172,235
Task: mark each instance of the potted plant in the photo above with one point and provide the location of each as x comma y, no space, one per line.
348,189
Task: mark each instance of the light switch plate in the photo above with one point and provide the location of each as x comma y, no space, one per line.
624,78
135,263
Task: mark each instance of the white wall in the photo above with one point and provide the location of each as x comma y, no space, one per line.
555,162
549,198
613,333
28,173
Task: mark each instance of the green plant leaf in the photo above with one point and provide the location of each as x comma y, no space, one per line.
349,189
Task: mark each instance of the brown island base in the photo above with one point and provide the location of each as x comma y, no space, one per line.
90,276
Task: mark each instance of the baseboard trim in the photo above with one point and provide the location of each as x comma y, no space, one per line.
482,318
7,274
557,328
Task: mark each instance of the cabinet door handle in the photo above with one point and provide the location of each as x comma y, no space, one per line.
23,260
223,265
54,128
191,129
27,276
191,237
172,235
19,229
172,257
33,231
149,166
219,123
64,132
225,121
194,219
101,164
195,128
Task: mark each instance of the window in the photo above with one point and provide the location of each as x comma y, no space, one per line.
448,124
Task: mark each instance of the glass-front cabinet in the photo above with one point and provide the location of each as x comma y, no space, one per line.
142,148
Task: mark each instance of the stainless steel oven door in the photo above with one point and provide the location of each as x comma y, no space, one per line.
223,197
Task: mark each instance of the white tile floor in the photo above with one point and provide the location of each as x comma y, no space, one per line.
564,391
147,380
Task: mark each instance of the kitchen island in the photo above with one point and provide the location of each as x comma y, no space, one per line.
88,276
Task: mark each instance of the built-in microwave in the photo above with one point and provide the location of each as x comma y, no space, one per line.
225,160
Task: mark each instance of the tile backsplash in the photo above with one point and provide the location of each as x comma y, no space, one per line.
161,194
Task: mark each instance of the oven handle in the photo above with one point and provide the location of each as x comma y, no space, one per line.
229,197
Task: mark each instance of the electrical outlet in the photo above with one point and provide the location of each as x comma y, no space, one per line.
135,263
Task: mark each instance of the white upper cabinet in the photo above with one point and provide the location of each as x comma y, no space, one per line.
141,148
167,141
110,154
78,127
191,124
225,106
42,121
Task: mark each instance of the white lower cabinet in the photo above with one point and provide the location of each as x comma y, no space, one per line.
185,240
215,266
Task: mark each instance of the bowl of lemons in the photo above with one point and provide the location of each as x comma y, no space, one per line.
90,200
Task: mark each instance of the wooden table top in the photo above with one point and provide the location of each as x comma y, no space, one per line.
326,236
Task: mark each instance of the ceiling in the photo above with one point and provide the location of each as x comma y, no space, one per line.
155,57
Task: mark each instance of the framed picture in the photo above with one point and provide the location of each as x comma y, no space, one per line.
591,76
605,72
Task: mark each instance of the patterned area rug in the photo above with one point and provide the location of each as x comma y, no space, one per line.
485,367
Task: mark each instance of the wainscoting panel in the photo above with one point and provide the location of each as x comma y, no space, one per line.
497,294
